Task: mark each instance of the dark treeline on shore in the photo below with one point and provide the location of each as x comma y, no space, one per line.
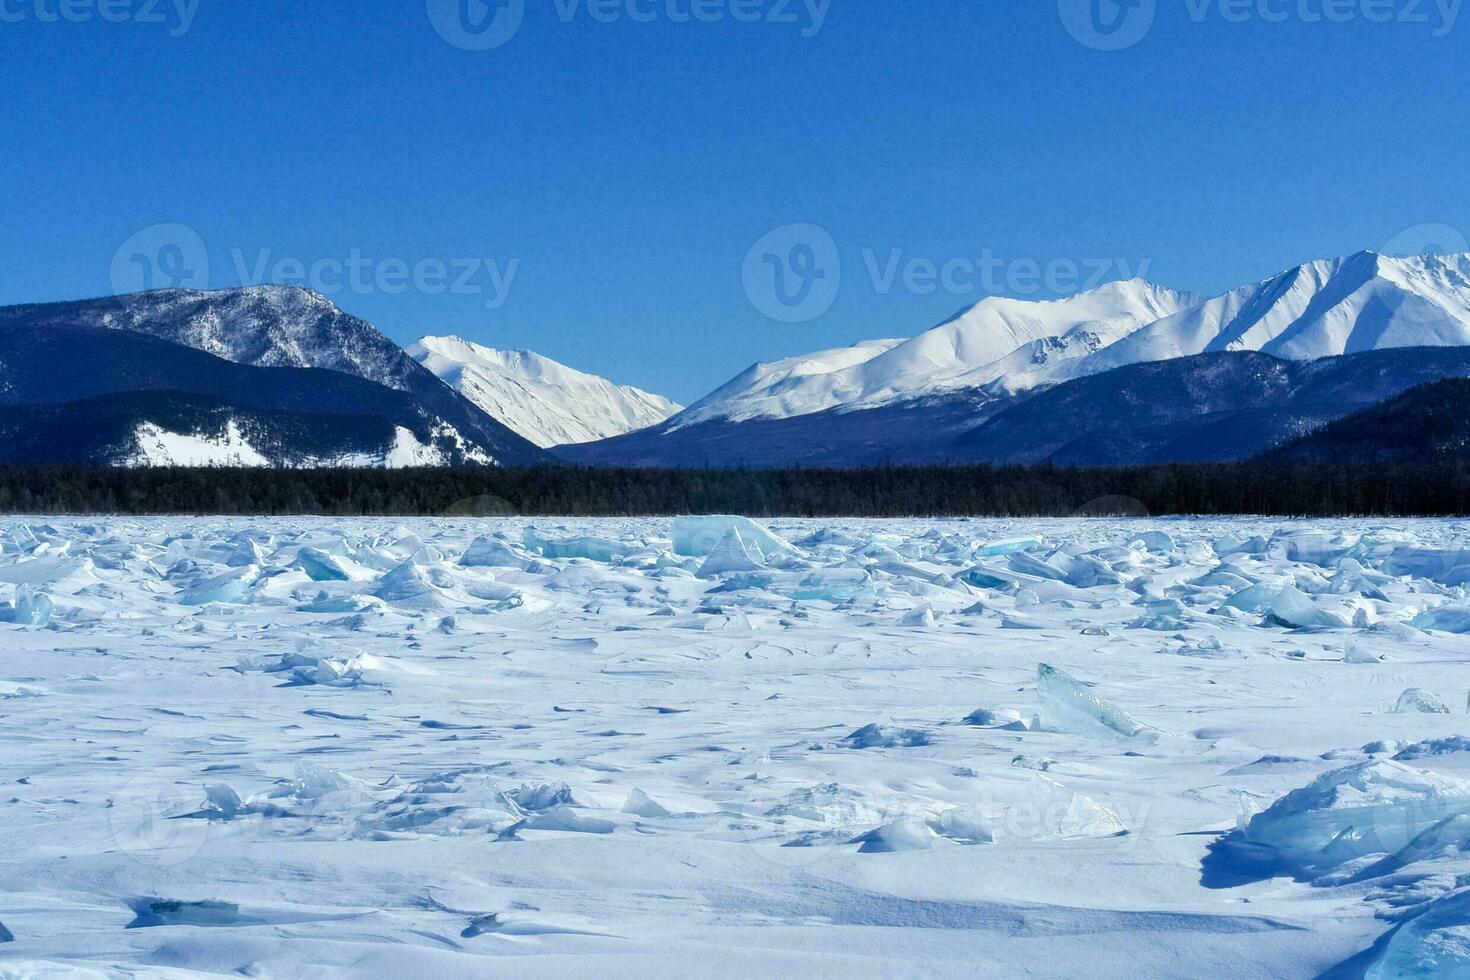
1237,488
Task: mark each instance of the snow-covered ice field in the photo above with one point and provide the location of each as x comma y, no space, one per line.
446,748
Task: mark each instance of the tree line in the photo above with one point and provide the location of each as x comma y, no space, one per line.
1039,491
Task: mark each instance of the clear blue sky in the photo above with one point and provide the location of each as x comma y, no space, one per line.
626,168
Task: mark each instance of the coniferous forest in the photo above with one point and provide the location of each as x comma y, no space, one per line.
1255,487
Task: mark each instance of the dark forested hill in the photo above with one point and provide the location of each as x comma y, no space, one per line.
1428,424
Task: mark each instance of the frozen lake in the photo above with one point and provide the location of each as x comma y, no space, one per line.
637,748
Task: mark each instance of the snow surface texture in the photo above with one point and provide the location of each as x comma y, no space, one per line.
453,748
548,403
1327,308
155,446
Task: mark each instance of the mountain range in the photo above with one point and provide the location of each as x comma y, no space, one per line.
1129,372
956,393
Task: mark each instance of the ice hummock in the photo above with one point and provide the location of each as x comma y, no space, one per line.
1374,807
1295,610
904,834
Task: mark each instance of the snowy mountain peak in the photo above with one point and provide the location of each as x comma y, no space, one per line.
544,401
1324,308
1361,302
953,355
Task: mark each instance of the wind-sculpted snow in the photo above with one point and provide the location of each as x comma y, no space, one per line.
721,747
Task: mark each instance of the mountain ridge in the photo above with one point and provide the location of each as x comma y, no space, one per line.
776,414
544,401
280,326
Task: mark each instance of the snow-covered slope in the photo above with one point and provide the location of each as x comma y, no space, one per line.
1322,309
546,402
965,352
780,389
155,445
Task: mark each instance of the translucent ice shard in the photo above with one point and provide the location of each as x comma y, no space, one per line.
1445,619
1418,701
247,552
231,587
322,567
729,556
1068,705
1009,546
1374,807
696,537
588,547
32,608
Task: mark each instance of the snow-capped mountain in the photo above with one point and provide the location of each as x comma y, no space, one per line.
271,330
546,402
966,352
894,401
1322,309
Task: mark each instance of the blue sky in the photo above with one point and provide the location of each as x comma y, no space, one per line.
616,172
